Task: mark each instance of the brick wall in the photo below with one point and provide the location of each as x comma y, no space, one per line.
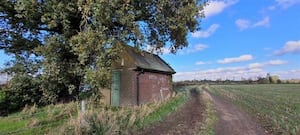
154,87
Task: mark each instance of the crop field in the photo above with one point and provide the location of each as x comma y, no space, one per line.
275,106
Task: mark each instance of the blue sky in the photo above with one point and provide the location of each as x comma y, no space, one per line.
242,39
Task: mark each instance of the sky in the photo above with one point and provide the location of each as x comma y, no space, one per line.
239,39
242,39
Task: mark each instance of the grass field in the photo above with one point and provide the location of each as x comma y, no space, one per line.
276,106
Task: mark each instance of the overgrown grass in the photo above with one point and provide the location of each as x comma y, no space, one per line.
33,120
67,118
163,110
120,120
210,115
276,106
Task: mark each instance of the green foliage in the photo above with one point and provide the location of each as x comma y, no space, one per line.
2,95
3,101
275,106
262,80
61,71
274,79
22,90
69,43
84,95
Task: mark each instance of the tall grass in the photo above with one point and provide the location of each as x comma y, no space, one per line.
33,120
277,107
98,119
120,120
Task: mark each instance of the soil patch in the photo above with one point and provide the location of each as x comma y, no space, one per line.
186,120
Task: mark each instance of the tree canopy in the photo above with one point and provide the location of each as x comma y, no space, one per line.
66,43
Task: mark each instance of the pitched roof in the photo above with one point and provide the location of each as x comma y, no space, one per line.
148,61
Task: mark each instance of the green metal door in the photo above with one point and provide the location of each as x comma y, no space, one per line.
115,88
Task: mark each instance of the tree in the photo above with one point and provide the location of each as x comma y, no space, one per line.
22,90
263,80
274,79
73,42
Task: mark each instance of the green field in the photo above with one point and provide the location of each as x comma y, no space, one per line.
276,106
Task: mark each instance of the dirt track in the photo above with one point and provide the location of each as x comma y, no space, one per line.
233,121
186,120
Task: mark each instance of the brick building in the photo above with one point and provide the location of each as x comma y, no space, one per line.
139,77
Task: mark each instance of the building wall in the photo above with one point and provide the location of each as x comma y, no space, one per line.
106,96
154,87
150,84
127,92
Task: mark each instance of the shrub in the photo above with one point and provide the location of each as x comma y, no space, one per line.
22,90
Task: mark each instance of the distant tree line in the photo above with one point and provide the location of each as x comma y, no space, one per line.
269,79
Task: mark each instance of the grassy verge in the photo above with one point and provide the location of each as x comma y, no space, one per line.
163,110
67,118
120,120
275,106
34,120
210,115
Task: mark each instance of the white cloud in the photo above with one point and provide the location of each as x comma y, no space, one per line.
273,7
284,4
287,3
200,47
256,65
235,73
193,49
206,33
276,62
184,51
243,24
264,22
215,7
289,47
241,58
200,63
289,74
252,71
162,50
165,50
265,64
255,70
